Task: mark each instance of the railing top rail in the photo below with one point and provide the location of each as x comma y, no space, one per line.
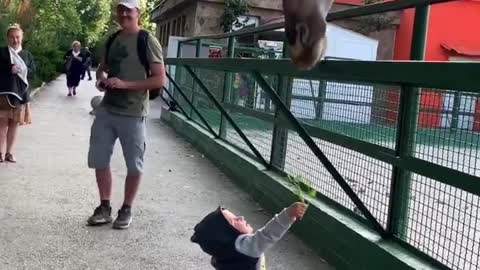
334,16
438,75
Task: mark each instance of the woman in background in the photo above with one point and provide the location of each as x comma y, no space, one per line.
17,68
74,59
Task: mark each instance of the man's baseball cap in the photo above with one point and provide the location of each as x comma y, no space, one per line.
130,4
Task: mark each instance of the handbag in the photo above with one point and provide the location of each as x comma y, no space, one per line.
5,103
66,65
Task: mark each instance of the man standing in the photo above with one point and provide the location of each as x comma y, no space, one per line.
123,110
87,62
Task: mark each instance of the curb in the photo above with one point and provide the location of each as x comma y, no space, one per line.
36,90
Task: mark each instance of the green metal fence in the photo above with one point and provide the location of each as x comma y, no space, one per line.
362,133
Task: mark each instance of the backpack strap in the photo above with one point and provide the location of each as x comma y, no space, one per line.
109,44
142,46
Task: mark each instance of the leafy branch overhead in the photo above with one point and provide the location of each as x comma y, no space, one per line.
374,23
233,9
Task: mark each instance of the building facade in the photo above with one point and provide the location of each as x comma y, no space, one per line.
204,17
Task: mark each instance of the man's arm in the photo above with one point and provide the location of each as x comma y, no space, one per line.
155,81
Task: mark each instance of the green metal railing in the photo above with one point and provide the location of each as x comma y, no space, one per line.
396,169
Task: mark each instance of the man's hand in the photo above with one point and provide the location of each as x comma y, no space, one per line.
101,86
116,83
296,211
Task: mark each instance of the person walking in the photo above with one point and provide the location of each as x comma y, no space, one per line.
87,63
17,69
74,59
123,110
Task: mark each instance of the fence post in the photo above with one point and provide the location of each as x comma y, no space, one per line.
406,133
456,111
198,48
280,134
227,87
177,70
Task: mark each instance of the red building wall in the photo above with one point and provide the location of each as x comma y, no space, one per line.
454,24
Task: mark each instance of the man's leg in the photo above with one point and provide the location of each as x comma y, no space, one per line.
89,73
132,138
102,141
104,183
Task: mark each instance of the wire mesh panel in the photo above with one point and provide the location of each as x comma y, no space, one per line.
258,132
185,82
368,177
448,131
444,222
214,82
247,97
362,111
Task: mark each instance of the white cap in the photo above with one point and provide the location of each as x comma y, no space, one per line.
130,4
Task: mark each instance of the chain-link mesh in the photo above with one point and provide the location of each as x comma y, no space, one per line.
185,82
369,178
246,94
214,82
448,130
361,111
443,222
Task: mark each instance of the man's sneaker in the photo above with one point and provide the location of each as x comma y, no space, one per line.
123,220
101,216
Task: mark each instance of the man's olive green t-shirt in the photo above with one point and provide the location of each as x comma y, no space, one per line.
124,63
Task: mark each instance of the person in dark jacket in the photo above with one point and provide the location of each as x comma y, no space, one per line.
74,60
87,62
233,245
17,69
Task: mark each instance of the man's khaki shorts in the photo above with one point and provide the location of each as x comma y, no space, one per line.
106,128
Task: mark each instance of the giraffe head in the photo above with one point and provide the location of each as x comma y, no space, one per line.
306,29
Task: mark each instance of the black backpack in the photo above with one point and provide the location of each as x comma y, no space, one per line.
142,46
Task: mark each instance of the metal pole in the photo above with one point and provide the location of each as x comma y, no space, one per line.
280,134
406,133
227,87
198,48
456,111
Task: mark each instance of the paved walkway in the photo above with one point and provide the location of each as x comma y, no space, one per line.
46,198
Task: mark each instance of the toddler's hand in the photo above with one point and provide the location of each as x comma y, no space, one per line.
297,210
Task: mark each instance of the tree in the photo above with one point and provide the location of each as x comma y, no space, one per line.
52,25
374,23
233,9
94,18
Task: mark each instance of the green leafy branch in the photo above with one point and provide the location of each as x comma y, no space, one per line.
302,187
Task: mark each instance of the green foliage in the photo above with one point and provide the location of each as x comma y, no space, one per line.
233,9
373,23
302,187
49,62
52,25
